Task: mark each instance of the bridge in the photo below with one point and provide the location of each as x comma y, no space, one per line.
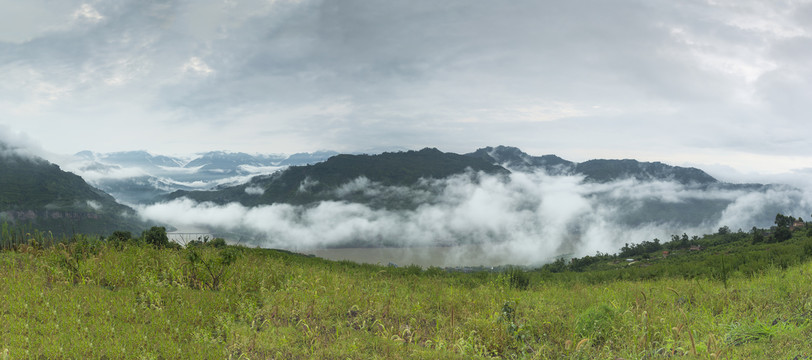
184,238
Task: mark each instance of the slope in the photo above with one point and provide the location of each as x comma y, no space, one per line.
34,191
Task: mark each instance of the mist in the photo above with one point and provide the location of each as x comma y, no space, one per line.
529,219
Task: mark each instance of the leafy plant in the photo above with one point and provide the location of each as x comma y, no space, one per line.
207,269
156,236
518,278
596,323
740,332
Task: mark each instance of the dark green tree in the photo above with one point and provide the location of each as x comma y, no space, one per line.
783,221
758,235
156,236
782,234
120,236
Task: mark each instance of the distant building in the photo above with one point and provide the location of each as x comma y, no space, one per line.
695,248
665,254
797,225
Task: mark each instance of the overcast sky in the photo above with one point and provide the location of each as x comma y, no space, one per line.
713,84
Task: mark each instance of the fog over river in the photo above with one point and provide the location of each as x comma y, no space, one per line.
523,218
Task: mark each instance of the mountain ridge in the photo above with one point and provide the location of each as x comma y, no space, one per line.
37,192
389,168
595,170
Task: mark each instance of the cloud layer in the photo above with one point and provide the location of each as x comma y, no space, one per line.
526,218
730,78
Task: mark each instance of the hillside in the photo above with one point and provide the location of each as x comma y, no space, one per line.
515,159
138,177
598,170
34,191
731,299
306,184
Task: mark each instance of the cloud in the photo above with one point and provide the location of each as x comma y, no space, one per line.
86,12
94,172
349,75
14,143
95,205
196,66
526,218
254,190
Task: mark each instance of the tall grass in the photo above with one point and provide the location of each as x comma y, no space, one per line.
91,299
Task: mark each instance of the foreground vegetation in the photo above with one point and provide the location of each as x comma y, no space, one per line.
119,297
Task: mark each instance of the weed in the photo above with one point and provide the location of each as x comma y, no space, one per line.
518,278
596,323
209,268
739,333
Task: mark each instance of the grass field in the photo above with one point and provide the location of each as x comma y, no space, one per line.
94,299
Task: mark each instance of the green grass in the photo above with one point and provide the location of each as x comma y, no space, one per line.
90,299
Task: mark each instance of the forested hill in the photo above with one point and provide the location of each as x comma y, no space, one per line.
593,170
321,179
34,191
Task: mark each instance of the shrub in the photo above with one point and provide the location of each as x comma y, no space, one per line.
217,243
156,236
596,323
120,236
518,278
209,268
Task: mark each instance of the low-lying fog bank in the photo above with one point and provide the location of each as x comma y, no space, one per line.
523,219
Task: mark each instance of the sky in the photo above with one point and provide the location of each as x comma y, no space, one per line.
722,85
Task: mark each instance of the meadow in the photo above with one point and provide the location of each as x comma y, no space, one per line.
88,297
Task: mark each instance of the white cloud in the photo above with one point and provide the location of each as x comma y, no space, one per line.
288,76
196,66
530,218
94,204
254,190
86,12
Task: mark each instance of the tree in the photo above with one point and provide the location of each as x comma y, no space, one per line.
783,221
782,231
758,236
782,234
120,236
156,236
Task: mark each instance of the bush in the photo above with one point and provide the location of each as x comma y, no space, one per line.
518,278
808,249
120,236
217,243
208,268
156,236
596,323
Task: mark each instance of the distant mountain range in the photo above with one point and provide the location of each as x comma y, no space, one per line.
593,170
33,190
355,178
304,184
320,181
137,177
36,192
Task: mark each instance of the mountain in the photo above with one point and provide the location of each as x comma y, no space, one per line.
34,191
515,159
305,184
600,171
138,177
307,158
430,196
221,162
324,181
611,170
134,158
